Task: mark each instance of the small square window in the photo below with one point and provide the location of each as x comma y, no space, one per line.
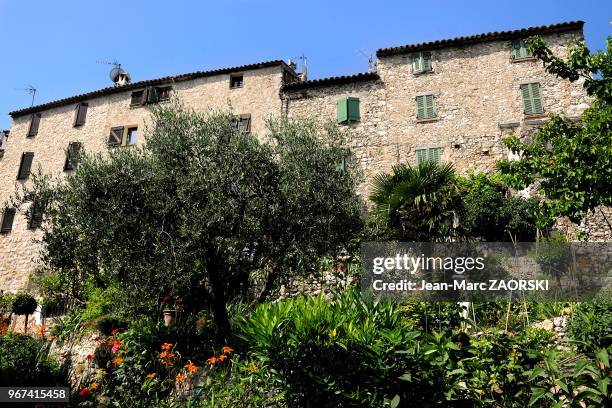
236,81
132,135
138,98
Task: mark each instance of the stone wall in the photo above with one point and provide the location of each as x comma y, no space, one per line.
477,97
259,96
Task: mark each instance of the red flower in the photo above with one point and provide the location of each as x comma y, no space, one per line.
114,331
85,393
167,299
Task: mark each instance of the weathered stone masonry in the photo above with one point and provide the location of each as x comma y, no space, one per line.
475,82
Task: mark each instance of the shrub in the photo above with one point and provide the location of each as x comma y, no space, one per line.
25,361
591,326
24,304
343,352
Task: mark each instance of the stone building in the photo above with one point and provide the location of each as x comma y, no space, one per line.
450,100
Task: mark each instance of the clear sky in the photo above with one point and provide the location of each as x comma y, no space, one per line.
54,45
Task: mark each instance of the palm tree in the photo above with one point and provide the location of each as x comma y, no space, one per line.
420,203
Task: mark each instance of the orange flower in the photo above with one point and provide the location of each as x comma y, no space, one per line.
118,361
227,350
166,346
191,368
42,330
94,386
222,357
150,376
114,331
213,360
180,378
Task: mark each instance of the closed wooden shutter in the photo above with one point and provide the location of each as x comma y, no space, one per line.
80,114
245,123
342,110
520,50
532,98
435,154
36,216
430,109
426,108
138,98
7,220
116,136
34,122
72,155
426,61
421,155
25,165
152,95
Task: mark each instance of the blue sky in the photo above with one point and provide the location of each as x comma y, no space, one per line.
54,45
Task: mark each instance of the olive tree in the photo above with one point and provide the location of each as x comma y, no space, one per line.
196,210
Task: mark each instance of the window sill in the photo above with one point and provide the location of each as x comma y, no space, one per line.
536,116
419,73
526,59
236,87
427,120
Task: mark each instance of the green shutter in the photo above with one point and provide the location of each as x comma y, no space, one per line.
426,107
353,109
420,101
433,154
536,97
532,98
342,110
421,155
426,61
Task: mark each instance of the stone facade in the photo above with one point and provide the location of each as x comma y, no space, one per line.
475,82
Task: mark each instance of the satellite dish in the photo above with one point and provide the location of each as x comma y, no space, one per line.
115,73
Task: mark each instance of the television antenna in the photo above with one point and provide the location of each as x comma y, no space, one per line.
30,90
372,64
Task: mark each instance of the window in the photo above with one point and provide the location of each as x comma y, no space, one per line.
342,163
426,107
138,98
34,122
520,50
132,135
432,154
163,93
80,113
347,110
421,62
7,220
116,136
243,123
152,94
36,216
532,99
236,81
72,155
25,165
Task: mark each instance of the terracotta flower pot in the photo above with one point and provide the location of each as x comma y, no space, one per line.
169,317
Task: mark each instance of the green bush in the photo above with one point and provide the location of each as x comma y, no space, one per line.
24,304
106,324
6,303
25,361
343,352
591,326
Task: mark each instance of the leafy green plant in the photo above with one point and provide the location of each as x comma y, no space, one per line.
418,204
343,352
590,326
572,384
25,361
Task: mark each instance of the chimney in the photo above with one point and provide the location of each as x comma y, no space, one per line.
304,73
